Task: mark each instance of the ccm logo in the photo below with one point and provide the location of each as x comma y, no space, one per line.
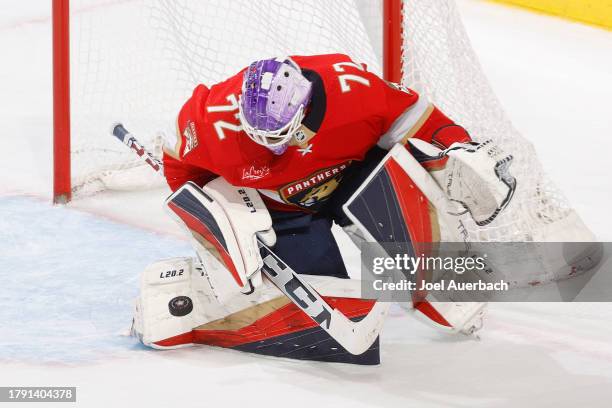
171,274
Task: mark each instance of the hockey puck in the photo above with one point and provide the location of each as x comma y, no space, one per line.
180,306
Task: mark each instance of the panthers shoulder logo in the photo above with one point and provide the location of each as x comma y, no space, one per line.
311,192
399,87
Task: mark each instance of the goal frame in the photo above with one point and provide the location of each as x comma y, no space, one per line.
62,186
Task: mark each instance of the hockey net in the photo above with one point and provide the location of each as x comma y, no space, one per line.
137,61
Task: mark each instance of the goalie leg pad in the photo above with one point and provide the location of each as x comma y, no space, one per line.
390,206
177,308
167,305
223,221
402,203
453,317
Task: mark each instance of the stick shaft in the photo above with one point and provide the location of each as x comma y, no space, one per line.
121,133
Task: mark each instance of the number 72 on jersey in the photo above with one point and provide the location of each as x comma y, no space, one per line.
344,78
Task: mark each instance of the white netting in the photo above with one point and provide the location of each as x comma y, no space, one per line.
439,61
136,61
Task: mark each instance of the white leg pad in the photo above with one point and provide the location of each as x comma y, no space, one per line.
168,305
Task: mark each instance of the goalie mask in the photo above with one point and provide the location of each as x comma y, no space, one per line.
274,98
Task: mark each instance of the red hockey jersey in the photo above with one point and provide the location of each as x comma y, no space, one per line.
350,110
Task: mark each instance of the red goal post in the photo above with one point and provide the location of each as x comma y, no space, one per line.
61,102
392,40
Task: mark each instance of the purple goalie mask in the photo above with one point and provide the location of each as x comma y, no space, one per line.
274,98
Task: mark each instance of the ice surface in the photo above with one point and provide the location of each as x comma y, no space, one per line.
69,280
69,275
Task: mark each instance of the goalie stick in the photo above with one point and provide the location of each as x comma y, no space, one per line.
355,337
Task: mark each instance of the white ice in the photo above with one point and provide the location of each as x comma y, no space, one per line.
69,274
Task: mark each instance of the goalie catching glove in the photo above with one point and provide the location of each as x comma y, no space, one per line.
473,175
